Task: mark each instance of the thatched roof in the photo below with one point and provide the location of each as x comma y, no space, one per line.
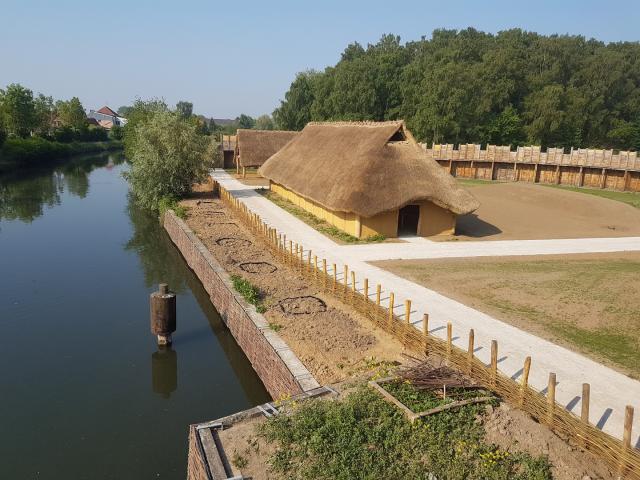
256,146
364,167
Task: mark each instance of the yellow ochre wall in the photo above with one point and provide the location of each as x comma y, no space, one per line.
433,219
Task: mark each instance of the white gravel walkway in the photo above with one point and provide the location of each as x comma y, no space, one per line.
610,391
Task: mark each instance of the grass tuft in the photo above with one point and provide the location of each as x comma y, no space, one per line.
170,203
249,292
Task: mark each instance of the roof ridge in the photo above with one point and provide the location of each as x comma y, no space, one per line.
359,123
261,130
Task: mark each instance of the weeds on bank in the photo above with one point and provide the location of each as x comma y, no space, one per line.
363,436
249,292
170,203
276,327
239,461
317,223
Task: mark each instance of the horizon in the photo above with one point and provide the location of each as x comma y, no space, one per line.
227,62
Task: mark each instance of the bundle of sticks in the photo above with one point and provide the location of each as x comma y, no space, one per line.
424,376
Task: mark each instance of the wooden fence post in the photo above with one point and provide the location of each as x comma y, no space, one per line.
324,268
551,397
425,332
407,311
378,290
391,302
449,338
494,362
470,350
346,277
366,289
525,379
626,437
584,414
335,276
315,263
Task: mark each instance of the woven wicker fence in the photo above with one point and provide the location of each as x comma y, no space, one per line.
544,408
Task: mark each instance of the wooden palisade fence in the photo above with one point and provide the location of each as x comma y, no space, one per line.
580,167
620,454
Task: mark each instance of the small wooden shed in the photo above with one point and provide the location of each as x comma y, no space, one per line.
368,178
254,147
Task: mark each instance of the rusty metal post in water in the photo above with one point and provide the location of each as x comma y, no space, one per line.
163,314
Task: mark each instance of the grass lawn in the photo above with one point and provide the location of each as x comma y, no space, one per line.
317,223
631,198
470,182
590,302
364,437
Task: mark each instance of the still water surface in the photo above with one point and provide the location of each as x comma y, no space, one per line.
85,393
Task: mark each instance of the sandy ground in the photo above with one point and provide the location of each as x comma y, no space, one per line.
519,211
329,338
337,344
587,302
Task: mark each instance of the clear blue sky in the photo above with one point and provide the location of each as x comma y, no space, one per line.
240,57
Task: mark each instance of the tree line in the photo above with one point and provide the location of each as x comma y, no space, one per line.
25,115
514,87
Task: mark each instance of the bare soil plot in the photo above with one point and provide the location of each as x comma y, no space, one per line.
333,341
519,211
587,302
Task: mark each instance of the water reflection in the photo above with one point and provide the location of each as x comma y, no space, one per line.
25,194
164,371
160,260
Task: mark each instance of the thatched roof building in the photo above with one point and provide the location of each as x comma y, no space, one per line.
368,178
254,147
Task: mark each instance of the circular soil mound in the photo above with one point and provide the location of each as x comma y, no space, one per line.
233,242
222,223
302,305
258,267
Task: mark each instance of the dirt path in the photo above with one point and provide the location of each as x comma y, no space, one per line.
518,211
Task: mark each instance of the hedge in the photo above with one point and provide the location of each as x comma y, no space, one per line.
26,152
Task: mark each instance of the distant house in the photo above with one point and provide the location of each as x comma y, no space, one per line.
107,118
254,147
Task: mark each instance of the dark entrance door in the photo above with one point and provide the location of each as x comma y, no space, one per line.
408,217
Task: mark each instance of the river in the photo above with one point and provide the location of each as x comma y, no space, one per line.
85,392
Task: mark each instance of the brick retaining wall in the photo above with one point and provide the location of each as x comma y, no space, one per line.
275,363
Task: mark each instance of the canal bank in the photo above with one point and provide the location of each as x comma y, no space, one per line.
86,392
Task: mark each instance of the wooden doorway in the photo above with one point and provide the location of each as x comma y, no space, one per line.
408,218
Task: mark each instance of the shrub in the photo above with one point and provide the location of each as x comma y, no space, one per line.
64,135
116,133
170,203
168,157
